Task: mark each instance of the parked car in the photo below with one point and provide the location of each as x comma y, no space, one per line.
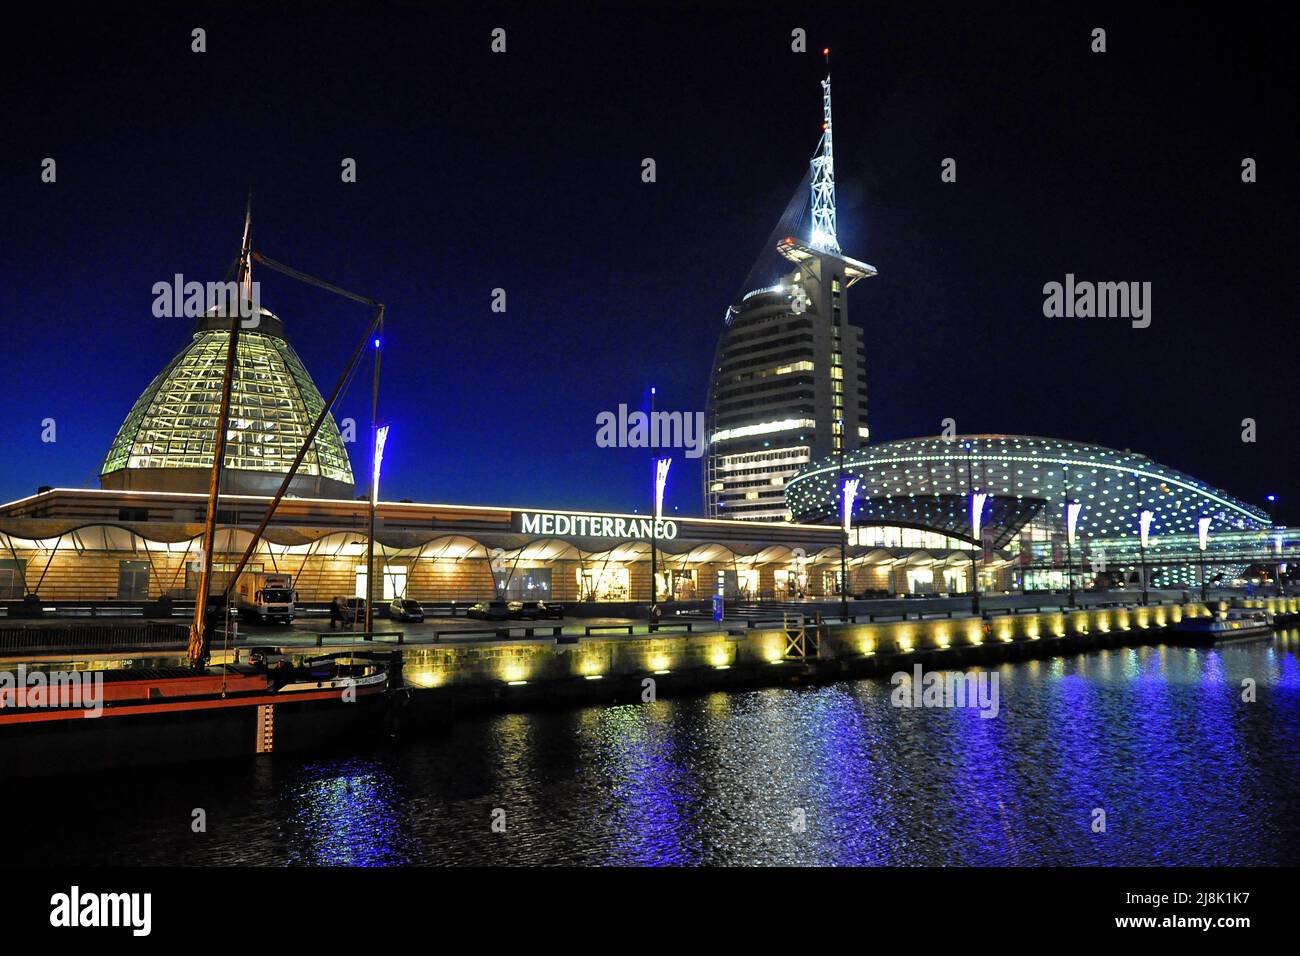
540,610
489,611
497,610
404,609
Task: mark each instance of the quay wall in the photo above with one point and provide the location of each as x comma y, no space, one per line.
724,657
442,681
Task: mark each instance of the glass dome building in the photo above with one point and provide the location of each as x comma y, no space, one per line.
927,484
166,442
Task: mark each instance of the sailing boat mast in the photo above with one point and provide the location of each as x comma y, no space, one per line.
198,644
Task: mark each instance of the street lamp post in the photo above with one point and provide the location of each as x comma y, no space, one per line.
377,452
654,520
1203,535
1144,528
850,493
1272,501
976,512
844,535
1072,510
381,438
661,481
977,500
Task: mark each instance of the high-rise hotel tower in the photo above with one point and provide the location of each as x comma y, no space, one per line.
788,385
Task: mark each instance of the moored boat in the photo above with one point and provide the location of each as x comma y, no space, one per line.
151,716
1226,624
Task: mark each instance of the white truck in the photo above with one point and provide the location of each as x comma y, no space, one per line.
267,597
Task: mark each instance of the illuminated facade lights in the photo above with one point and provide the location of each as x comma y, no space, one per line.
924,483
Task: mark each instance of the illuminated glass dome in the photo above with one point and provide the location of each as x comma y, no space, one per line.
926,482
166,442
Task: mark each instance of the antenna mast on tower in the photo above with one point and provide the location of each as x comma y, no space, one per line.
823,177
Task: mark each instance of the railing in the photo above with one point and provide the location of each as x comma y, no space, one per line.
445,608
529,630
881,617
763,291
688,626
183,608
320,637
90,637
1066,609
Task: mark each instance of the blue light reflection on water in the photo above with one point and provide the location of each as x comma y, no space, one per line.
345,813
1159,737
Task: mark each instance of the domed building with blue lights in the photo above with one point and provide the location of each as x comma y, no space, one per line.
1042,505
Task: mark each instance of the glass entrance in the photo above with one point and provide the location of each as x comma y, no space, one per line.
132,580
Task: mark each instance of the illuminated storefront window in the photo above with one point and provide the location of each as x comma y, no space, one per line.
737,584
524,584
393,577
790,584
680,585
604,584
920,580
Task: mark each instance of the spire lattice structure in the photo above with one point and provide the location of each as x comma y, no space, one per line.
779,401
823,182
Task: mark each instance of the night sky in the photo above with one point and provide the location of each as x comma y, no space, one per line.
523,171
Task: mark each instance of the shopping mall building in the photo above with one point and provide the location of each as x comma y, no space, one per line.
101,545
137,537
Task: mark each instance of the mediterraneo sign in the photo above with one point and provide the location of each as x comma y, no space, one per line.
592,526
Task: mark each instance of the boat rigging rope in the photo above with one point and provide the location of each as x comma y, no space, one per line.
311,280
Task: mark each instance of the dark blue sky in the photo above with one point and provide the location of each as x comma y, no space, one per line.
522,171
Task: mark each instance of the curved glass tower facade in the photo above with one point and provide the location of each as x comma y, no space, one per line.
789,384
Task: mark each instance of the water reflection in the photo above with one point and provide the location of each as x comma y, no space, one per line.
1161,739
644,815
346,813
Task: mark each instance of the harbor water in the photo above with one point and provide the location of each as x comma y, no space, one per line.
1141,755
